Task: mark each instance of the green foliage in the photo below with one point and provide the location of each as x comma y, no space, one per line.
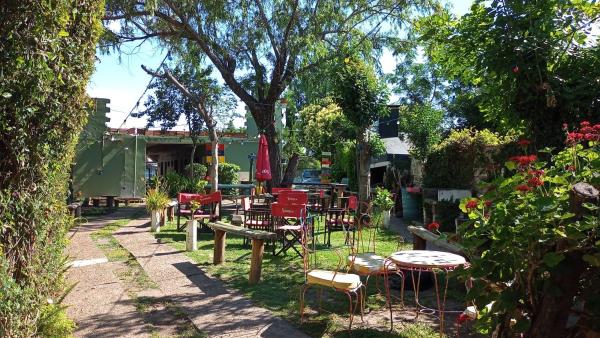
157,199
195,186
174,183
360,94
382,199
228,173
525,242
344,164
324,125
464,156
422,125
525,65
199,170
48,51
54,322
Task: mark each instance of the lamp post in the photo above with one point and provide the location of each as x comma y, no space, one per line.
251,158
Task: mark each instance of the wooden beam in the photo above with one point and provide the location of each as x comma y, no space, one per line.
426,235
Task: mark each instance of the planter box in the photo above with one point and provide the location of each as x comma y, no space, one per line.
436,194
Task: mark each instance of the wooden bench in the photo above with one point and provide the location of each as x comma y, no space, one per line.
258,238
421,236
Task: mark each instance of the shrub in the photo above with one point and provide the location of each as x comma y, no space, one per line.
48,52
175,183
228,173
464,156
382,199
534,247
199,170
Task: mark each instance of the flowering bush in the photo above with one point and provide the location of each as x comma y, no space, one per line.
534,247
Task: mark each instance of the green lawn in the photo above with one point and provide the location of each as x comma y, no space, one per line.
282,277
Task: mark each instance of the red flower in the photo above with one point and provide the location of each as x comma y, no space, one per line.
472,204
535,182
433,226
463,317
524,143
536,173
565,126
584,123
571,168
488,204
524,160
523,188
515,69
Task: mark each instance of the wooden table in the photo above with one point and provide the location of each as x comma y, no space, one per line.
418,261
258,238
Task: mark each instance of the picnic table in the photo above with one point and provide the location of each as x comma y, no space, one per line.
258,238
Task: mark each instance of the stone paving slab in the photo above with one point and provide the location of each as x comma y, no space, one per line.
214,309
99,304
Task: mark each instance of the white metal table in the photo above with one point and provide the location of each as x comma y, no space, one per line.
418,261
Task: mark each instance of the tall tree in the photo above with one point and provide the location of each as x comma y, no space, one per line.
532,65
189,91
47,58
363,99
259,46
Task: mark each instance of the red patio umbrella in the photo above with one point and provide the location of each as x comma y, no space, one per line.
263,166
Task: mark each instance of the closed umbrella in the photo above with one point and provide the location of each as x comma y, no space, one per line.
263,165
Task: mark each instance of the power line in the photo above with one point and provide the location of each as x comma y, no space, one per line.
137,104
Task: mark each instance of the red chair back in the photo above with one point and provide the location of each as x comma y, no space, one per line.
276,191
288,210
213,197
352,203
184,198
293,197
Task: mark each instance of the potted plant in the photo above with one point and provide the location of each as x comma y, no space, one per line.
383,203
156,202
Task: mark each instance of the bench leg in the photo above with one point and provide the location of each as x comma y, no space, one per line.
219,251
258,249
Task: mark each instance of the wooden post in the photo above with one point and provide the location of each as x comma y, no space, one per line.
219,251
171,212
419,243
110,201
191,238
258,249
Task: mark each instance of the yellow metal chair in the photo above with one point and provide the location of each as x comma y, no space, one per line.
339,281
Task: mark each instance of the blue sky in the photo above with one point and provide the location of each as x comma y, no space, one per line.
120,78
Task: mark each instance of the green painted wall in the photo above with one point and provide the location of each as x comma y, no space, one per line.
114,165
105,164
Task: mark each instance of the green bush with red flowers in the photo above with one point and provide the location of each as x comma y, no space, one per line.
523,239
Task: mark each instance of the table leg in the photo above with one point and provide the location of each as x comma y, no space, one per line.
442,304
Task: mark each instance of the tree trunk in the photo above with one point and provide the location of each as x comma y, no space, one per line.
264,116
364,168
290,170
214,154
191,174
558,294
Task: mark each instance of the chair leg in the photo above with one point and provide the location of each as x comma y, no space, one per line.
302,297
351,309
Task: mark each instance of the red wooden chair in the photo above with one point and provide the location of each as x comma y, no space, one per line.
260,219
210,206
293,197
290,224
183,208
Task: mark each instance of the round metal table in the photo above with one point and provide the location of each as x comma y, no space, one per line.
418,261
